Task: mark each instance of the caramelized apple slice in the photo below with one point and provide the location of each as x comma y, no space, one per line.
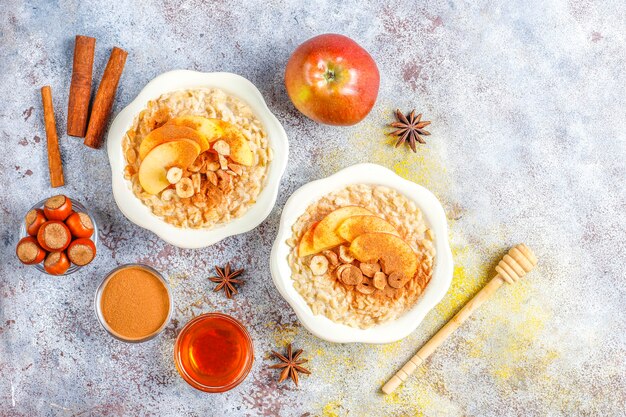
209,128
217,129
355,226
169,133
393,253
153,169
306,248
240,151
325,235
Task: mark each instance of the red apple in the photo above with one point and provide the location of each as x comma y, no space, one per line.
332,80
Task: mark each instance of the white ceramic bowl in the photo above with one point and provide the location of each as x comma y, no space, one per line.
141,215
388,332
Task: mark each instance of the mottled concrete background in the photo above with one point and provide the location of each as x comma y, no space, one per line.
528,104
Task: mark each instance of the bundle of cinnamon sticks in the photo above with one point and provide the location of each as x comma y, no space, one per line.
80,122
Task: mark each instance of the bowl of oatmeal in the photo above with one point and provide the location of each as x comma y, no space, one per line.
197,157
362,256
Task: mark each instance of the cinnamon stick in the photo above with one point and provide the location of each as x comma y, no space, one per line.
80,88
54,155
102,104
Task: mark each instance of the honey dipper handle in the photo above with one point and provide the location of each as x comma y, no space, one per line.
443,333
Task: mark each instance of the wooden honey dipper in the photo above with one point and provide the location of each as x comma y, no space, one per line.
516,263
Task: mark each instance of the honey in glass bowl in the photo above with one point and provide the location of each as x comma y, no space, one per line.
213,352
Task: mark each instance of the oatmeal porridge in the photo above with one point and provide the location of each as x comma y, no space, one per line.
361,255
197,158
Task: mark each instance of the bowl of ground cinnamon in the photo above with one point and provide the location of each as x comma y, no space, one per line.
134,303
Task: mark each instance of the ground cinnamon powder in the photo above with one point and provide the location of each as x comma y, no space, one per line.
134,303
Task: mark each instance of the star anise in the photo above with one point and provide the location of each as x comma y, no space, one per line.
290,365
410,128
225,280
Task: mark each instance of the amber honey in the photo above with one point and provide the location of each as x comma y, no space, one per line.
213,352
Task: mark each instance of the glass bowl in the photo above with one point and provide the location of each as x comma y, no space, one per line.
199,324
98,308
76,206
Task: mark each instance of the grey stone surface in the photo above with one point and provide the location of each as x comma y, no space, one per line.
528,104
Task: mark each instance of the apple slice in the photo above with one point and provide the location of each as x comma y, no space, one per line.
393,253
306,248
325,235
357,225
240,151
168,133
215,129
153,169
209,128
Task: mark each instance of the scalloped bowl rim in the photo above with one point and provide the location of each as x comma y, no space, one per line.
388,332
138,213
